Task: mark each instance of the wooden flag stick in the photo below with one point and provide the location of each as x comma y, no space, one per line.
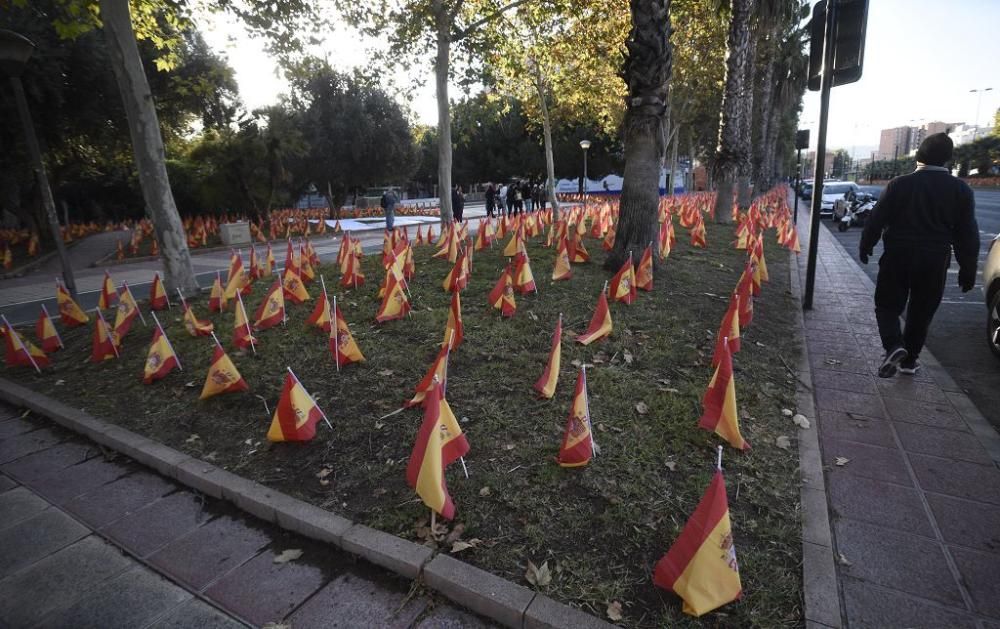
107,330
335,330
166,295
246,322
17,337
167,339
308,395
590,424
433,521
137,309
58,338
718,463
216,339
181,295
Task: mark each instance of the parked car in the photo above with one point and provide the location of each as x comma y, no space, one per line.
833,191
806,189
991,289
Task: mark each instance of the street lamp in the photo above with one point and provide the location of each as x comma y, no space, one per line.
585,144
979,101
15,50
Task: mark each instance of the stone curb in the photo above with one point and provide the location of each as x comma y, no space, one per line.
820,588
489,595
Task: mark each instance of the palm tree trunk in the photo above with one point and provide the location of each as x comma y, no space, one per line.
745,168
441,64
647,71
147,144
763,100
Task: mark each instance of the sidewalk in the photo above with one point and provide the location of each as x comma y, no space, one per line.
91,541
910,469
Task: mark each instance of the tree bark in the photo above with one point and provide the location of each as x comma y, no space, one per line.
147,144
550,169
647,71
763,101
441,65
744,172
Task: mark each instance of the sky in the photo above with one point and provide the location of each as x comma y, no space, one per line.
921,59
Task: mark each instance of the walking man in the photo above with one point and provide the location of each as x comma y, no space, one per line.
388,203
920,217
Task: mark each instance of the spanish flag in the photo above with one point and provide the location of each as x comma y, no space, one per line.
352,275
268,263
546,385
217,298
449,249
342,345
578,441
744,289
502,295
562,269
730,329
395,304
237,279
271,311
720,415
701,566
577,251
346,248
438,373
255,272
609,239
320,316
698,235
524,279
482,237
222,376
103,345
420,235
70,313
514,246
667,238
108,293
454,325
425,470
242,335
46,332
623,283
128,310
22,352
600,324
294,289
194,325
307,274
458,276
291,261
644,273
161,358
157,295
296,415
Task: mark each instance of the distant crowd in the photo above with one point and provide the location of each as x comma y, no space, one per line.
517,197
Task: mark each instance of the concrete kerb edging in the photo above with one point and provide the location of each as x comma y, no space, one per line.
820,588
491,596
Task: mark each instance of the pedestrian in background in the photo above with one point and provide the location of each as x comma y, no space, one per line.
920,218
457,202
491,199
511,198
388,203
528,199
502,202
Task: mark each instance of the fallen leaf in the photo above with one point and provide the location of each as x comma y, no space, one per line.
576,363
842,461
508,446
602,427
533,317
323,473
277,625
379,425
386,372
783,442
627,356
833,361
842,560
800,420
463,545
671,465
455,534
759,344
59,383
485,491
614,611
192,438
787,412
288,555
190,384
641,408
538,576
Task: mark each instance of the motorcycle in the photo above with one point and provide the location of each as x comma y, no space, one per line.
848,214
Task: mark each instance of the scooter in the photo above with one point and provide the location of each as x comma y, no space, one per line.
856,213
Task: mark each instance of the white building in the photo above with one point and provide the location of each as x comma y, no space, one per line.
965,133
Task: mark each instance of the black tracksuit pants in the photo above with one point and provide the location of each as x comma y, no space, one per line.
913,279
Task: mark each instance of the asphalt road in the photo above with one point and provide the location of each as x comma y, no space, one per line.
958,335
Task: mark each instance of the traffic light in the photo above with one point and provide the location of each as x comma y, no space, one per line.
850,23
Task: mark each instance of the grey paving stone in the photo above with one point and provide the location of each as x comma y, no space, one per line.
13,427
26,443
896,560
909,389
545,613
209,551
58,580
877,502
33,467
927,413
446,617
884,464
844,381
843,349
478,590
107,503
839,363
957,478
382,549
848,402
967,523
196,613
868,606
838,425
950,444
66,484
829,336
19,504
130,600
34,538
313,522
261,591
6,483
159,523
979,571
352,601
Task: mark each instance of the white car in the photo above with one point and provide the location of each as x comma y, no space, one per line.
991,289
834,190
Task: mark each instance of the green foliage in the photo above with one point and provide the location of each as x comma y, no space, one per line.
983,156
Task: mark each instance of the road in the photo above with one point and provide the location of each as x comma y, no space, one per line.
958,335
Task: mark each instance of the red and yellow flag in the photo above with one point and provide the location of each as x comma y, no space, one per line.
127,312
255,271
194,325
46,332
577,251
523,279
744,289
222,376
342,345
425,470
578,440
438,373
103,344
108,293
609,239
562,269
644,273
157,295
271,311
320,316
242,334
458,277
237,278
502,295
217,298
701,565
454,330
729,329
546,385
698,235
295,291
161,358
600,324
268,263
514,246
395,304
296,415
623,283
70,313
21,351
720,415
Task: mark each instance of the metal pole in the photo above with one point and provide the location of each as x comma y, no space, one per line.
43,182
824,116
584,180
798,184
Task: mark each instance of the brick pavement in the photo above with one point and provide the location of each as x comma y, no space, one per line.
915,509
88,540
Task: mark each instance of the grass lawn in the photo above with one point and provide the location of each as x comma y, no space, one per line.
601,528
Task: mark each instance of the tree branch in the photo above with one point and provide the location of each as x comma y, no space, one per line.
462,34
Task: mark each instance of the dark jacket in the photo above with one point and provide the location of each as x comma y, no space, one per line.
929,210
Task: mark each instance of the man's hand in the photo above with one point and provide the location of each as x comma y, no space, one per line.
966,279
863,256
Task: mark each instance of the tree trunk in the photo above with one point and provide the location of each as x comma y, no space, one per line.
771,143
744,172
647,71
150,160
673,158
441,64
763,101
731,155
550,168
